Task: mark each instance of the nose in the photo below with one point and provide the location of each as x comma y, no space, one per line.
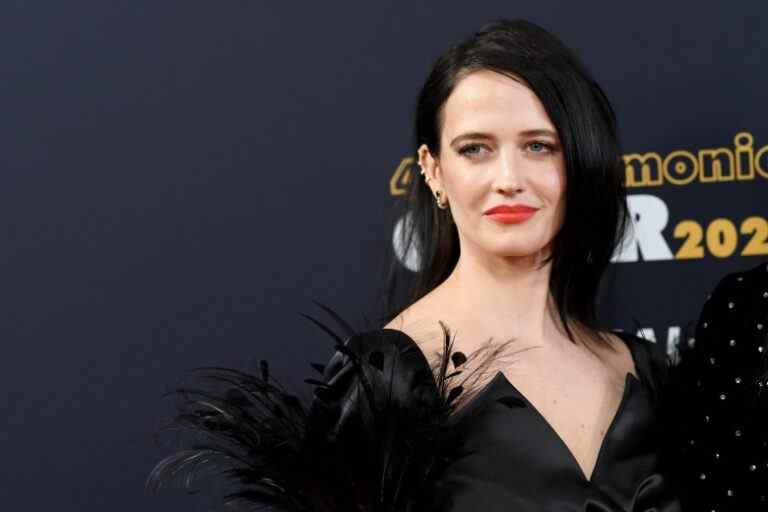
508,177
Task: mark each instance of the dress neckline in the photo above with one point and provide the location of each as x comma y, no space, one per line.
629,381
500,380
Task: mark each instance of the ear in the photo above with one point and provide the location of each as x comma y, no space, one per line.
431,168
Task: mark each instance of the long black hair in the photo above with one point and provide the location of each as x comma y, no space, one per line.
596,214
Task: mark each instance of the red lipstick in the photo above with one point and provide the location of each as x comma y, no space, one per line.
511,214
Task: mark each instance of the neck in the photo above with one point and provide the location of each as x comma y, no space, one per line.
508,295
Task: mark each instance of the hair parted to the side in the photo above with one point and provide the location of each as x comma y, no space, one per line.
596,215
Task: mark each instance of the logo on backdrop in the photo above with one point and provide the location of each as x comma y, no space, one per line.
719,237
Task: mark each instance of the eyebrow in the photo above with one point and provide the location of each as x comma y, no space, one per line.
481,135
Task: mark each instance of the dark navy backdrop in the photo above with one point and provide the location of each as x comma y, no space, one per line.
180,179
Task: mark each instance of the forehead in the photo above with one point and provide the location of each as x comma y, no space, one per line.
488,101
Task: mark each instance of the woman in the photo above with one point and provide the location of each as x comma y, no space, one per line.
518,147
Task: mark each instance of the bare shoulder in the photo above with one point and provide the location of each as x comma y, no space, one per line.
421,322
620,358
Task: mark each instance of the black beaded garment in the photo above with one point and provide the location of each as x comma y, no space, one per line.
717,408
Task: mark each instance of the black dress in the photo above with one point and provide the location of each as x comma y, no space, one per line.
382,434
517,461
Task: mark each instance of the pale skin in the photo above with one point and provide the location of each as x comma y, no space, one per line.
498,146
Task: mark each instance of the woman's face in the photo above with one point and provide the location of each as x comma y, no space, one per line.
498,147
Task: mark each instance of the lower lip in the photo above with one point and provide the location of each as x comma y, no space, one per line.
512,218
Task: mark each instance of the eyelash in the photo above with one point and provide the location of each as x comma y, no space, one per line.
465,150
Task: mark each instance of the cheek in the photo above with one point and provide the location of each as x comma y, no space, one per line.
464,186
557,196
553,185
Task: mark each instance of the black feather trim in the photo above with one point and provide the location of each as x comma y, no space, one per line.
374,438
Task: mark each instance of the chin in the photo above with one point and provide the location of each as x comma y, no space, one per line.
516,251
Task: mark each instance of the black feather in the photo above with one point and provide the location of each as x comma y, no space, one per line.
374,438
